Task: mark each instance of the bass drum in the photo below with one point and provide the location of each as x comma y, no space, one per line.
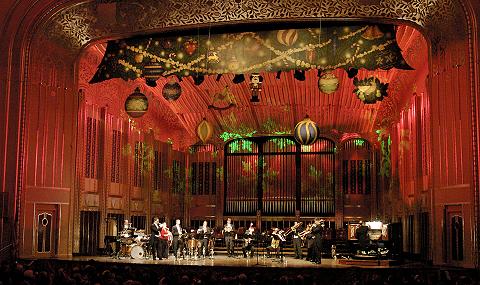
137,252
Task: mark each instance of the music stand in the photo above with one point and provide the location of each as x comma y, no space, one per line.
257,237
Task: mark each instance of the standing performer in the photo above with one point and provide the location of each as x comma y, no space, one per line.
228,234
154,239
317,231
247,241
204,233
297,240
164,241
177,242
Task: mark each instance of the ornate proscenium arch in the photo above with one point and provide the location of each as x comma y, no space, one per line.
78,25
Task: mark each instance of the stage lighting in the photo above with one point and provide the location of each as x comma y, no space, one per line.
299,75
239,78
352,72
151,82
218,77
278,74
254,99
198,79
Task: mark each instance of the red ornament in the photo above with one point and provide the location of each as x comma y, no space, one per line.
190,46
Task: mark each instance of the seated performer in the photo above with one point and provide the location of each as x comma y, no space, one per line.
228,234
297,241
177,242
276,243
247,241
154,238
204,233
164,241
361,233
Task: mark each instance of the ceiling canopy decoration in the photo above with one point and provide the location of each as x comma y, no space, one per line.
202,53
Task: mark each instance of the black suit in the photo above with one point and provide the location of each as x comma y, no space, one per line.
177,243
203,236
297,242
317,231
155,241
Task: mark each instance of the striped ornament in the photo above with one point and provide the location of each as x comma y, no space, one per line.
287,37
306,131
204,130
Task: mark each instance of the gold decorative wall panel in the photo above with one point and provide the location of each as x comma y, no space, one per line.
77,25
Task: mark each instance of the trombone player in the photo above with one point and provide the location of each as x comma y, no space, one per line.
297,240
317,231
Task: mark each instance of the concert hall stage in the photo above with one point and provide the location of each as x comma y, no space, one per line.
222,260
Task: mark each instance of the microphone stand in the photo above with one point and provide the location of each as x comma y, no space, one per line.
257,245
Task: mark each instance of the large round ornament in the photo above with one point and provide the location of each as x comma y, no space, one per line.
287,37
171,90
136,104
204,130
306,131
328,83
151,72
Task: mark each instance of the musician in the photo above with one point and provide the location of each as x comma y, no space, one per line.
317,231
297,240
247,241
276,243
204,233
361,233
163,241
228,234
310,240
177,242
154,238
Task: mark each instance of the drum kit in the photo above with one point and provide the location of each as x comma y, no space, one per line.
133,244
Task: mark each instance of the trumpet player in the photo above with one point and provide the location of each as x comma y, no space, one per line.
317,231
297,240
228,233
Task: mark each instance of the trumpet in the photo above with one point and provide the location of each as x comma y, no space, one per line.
307,230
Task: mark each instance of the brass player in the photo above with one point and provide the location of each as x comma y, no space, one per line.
228,234
164,232
154,238
177,242
317,231
297,240
204,233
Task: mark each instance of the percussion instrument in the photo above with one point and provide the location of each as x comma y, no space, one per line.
137,252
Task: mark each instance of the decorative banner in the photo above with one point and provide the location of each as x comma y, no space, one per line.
370,90
306,131
204,130
136,104
332,47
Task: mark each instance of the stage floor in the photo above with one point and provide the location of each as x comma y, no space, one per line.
223,260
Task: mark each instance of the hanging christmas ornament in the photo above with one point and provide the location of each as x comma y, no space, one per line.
328,82
136,104
151,73
204,130
171,90
287,37
306,131
190,46
372,33
370,90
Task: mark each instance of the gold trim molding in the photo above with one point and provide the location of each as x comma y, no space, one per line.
77,25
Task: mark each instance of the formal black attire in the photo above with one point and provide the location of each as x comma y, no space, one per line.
229,240
362,236
317,231
204,234
177,242
247,243
310,238
155,240
297,242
